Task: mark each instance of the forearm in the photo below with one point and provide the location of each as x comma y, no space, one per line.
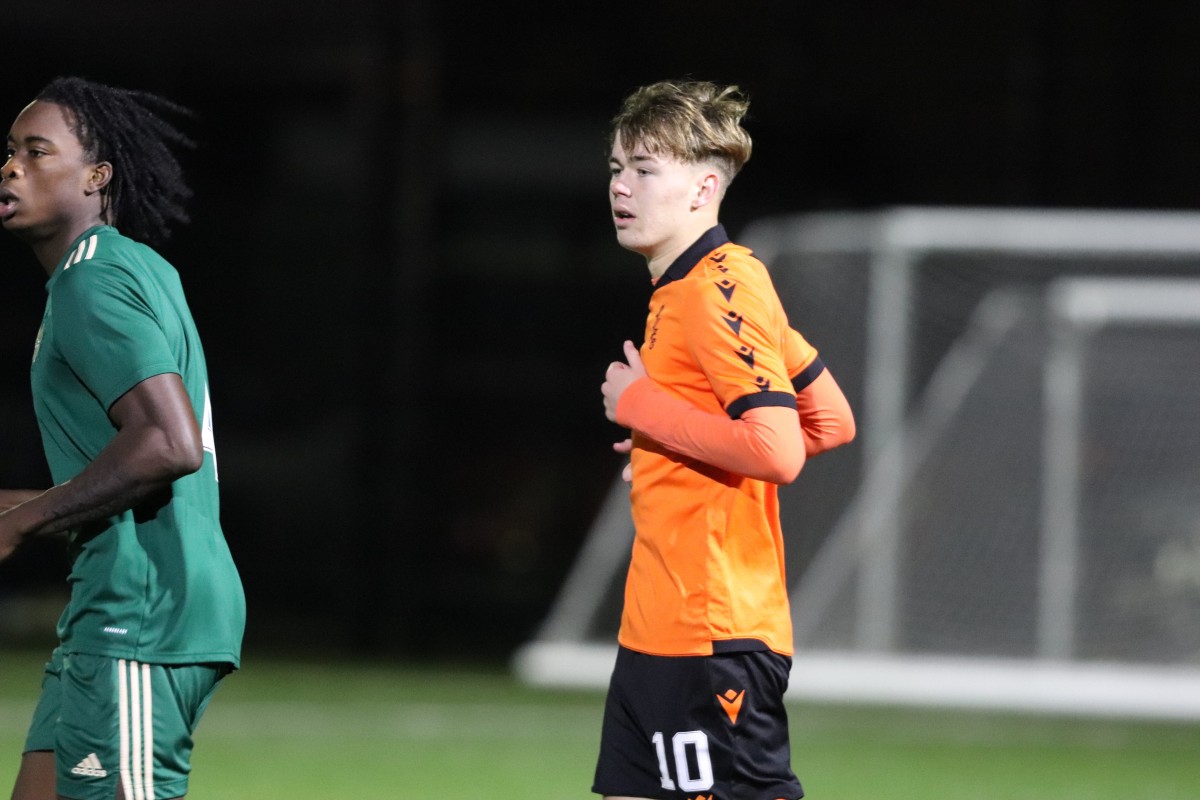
824,431
85,499
764,443
132,468
826,420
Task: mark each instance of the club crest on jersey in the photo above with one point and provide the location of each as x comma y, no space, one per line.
652,339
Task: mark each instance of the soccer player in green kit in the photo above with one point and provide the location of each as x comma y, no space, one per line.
120,389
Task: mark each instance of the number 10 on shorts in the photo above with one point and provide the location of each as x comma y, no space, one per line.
697,742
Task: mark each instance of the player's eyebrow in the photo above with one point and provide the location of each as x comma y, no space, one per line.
31,139
634,159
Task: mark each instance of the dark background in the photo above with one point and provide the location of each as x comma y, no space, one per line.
403,268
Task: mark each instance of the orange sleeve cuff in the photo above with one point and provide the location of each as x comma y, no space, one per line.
763,443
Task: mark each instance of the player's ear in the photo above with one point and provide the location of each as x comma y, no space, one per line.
99,177
708,189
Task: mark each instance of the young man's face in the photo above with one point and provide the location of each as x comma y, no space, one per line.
44,182
653,198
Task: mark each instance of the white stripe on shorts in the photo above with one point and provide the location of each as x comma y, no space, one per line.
136,719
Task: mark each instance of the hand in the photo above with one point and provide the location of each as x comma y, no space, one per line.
618,377
11,498
625,447
10,532
10,537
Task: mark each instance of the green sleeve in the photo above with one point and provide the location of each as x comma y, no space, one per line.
108,330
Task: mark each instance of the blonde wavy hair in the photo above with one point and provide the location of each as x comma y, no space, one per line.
693,121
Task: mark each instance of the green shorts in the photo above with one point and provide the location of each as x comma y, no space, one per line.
110,719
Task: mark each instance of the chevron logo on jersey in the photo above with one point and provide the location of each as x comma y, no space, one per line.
731,701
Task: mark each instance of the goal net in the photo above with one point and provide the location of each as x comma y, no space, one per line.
1018,524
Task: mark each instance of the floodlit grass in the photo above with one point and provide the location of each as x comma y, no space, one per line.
287,729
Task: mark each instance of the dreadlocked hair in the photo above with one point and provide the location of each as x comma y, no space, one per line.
129,129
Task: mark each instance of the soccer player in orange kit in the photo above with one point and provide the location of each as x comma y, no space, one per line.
724,401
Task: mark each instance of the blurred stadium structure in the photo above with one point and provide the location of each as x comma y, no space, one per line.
1018,524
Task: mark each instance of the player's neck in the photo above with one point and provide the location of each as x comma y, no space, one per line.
663,257
50,249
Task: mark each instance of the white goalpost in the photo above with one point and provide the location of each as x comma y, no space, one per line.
1018,525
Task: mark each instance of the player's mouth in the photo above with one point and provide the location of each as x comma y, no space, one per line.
620,215
8,204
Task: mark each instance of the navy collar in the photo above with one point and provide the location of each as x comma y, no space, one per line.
712,238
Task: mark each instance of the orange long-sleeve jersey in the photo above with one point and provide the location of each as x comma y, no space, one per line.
715,427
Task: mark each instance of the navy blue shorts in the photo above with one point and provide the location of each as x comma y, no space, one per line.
688,727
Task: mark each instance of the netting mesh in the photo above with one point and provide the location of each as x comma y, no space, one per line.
1140,509
957,515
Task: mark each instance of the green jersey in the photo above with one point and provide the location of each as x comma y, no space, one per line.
155,583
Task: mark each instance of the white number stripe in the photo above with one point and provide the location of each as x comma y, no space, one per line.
207,438
664,775
699,740
148,736
123,725
135,701
135,730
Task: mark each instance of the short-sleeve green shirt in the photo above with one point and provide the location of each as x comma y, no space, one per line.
155,583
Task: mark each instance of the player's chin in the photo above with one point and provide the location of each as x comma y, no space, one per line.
15,224
630,241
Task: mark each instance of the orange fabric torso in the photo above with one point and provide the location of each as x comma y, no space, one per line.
707,567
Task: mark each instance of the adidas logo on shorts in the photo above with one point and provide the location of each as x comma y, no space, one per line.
90,767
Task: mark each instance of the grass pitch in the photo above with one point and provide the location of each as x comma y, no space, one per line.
321,729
